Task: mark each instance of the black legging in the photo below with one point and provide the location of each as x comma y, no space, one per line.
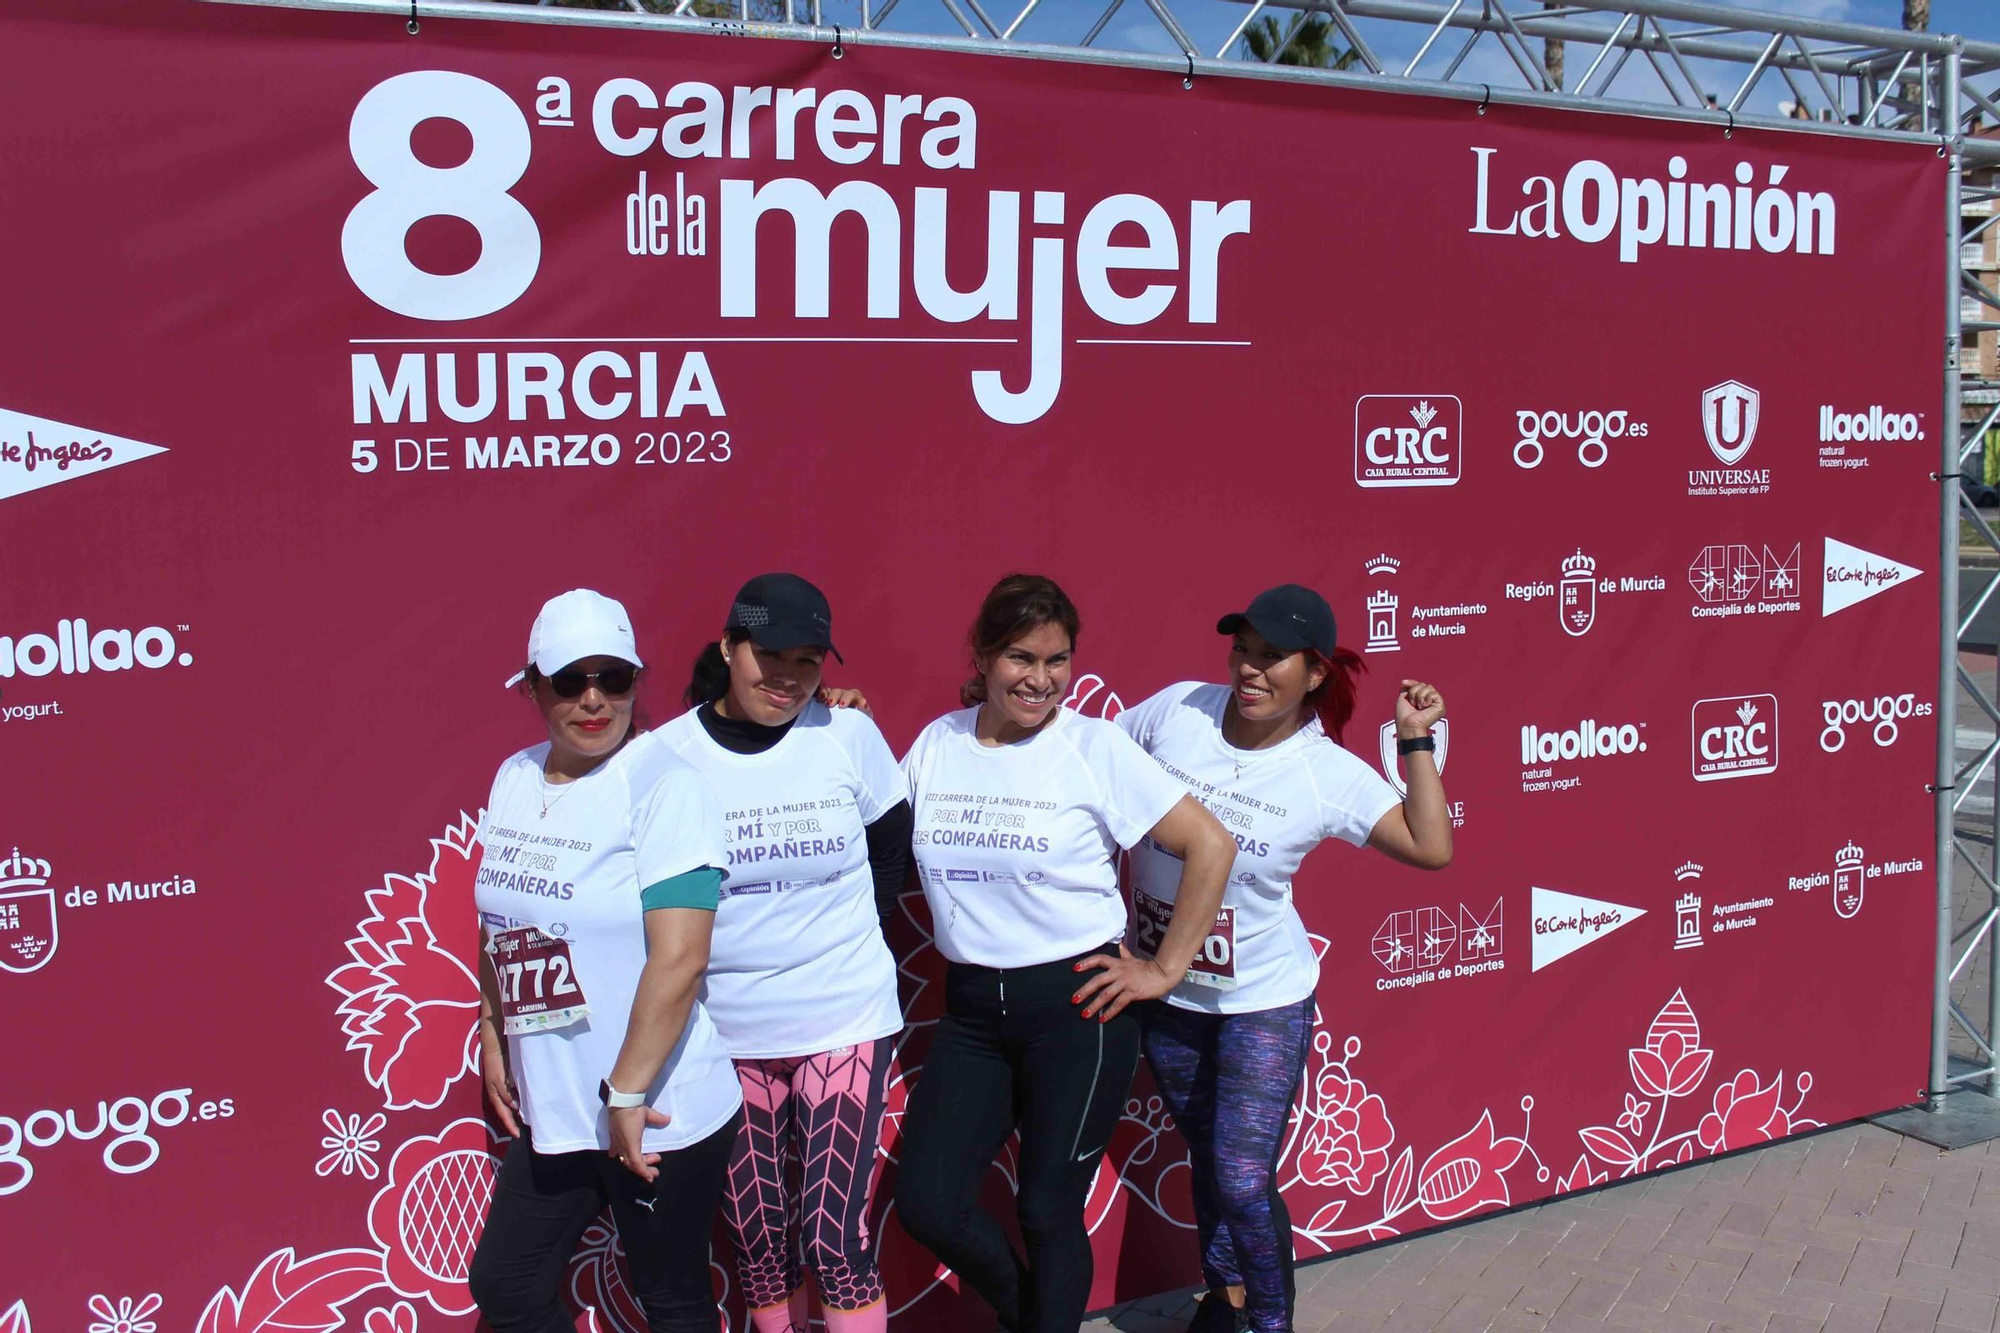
1012,1053
542,1202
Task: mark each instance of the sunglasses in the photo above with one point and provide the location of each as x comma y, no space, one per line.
614,681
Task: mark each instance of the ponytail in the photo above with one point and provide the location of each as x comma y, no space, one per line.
1333,701
709,680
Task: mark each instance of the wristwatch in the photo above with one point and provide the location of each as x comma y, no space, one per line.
1413,744
616,1100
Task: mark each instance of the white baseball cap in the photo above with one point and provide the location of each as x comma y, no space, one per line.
578,624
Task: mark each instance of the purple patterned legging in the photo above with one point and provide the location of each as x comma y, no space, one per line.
1229,1080
801,1174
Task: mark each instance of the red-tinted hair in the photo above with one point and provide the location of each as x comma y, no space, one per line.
1333,702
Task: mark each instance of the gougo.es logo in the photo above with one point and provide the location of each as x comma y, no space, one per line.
127,1125
1884,712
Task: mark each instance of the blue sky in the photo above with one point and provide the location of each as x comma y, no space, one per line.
1209,23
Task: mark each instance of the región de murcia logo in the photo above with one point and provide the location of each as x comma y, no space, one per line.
27,913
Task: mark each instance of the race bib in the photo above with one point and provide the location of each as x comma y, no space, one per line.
1214,963
539,989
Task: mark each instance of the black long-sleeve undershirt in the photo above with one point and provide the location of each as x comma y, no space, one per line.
888,836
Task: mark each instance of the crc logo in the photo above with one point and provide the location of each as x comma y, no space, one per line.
1884,711
1589,431
1735,737
1729,420
27,914
1407,440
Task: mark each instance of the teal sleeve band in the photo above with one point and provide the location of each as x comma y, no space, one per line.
699,888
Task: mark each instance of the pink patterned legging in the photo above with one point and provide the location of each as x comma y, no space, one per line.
800,1177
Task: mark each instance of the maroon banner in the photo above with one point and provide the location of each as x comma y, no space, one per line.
332,351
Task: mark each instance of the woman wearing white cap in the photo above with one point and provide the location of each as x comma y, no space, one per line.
596,896
801,984
1227,1045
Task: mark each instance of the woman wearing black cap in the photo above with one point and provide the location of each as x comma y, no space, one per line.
816,819
1228,1045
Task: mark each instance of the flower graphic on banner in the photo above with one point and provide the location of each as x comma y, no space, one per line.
410,1002
1088,695
398,1318
14,1319
428,1215
1672,1065
291,1295
1348,1143
598,1283
127,1316
1746,1112
1342,1135
352,1145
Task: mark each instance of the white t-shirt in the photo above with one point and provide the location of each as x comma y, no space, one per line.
1279,804
576,874
1016,843
799,965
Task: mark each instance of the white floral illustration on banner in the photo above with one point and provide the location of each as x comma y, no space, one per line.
127,1316
288,1294
398,1318
14,1319
352,1144
1672,1065
410,1002
1083,698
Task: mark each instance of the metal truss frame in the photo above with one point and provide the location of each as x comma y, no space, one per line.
1843,79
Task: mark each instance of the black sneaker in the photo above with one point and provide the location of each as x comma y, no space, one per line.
1214,1314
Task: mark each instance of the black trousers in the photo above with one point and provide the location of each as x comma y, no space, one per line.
1012,1053
543,1202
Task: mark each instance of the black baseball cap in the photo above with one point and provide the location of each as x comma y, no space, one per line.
780,611
1289,617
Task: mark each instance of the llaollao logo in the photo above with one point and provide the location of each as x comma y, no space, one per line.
75,648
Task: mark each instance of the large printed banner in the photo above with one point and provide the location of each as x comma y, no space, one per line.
330,351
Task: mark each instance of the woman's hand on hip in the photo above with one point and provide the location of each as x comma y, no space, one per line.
1118,982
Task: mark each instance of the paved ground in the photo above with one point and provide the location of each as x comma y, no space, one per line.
1854,1230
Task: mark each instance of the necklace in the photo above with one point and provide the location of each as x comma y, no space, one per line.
550,802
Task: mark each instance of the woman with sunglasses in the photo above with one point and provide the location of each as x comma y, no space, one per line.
596,896
1022,807
1228,1045
800,982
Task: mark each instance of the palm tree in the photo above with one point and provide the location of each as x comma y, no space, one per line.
1314,46
1552,52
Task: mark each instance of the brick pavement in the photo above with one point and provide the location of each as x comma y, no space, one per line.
1853,1230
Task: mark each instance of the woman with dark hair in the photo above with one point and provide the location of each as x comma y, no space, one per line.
596,894
800,982
1021,809
1228,1045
